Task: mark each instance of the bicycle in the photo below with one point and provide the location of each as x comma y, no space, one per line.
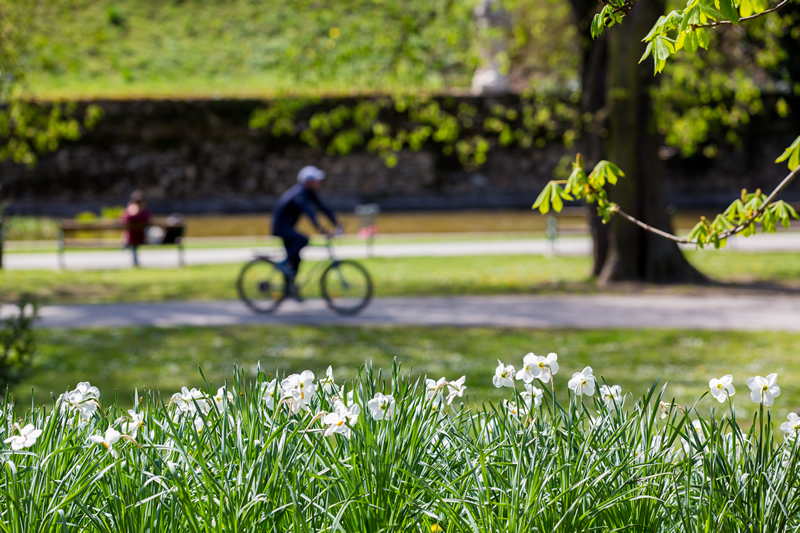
345,285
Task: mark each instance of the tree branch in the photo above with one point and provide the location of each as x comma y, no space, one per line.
725,234
651,229
744,19
786,181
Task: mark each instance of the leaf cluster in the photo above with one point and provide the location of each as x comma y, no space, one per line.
683,28
387,125
740,217
580,186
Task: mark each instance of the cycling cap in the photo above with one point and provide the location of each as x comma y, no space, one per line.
310,173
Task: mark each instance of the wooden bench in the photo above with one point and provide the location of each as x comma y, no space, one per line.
90,234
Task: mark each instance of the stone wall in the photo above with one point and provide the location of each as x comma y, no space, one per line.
201,157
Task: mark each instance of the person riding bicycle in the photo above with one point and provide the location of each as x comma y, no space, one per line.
301,198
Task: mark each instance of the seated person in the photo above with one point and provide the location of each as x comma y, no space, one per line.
301,198
136,218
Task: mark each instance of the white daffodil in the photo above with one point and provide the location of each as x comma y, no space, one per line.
529,364
503,375
189,401
545,367
512,408
764,390
434,388
108,440
327,382
302,389
583,382
611,395
455,389
532,395
792,425
82,400
132,426
664,407
349,412
87,390
596,422
381,406
270,392
336,424
199,424
341,419
222,398
722,388
26,438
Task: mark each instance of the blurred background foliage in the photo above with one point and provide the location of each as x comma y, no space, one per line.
90,49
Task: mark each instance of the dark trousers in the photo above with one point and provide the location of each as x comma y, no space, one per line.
293,241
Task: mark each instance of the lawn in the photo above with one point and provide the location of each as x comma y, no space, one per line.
393,277
168,358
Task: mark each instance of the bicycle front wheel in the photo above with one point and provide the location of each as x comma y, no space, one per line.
346,286
261,286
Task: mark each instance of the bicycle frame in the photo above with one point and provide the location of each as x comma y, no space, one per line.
318,267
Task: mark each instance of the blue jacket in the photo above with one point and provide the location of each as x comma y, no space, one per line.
294,202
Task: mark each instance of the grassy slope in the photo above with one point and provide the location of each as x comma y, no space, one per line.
167,358
240,48
393,277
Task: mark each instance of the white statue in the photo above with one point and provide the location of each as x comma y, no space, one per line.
488,79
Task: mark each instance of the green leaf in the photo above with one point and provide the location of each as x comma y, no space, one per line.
692,42
597,25
736,212
699,232
784,212
728,10
605,171
575,181
702,38
647,51
745,8
710,12
656,29
792,154
555,198
663,48
722,224
684,25
542,203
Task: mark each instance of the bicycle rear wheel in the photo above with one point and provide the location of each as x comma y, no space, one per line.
261,285
346,286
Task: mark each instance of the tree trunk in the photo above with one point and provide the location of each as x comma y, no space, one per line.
594,64
632,144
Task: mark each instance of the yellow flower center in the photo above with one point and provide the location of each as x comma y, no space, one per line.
764,387
541,364
583,382
340,422
719,385
106,445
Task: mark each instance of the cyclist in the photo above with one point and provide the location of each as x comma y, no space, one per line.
301,198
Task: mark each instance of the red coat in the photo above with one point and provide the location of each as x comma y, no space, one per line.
136,224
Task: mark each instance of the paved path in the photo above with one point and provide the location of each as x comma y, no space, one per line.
603,311
168,258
